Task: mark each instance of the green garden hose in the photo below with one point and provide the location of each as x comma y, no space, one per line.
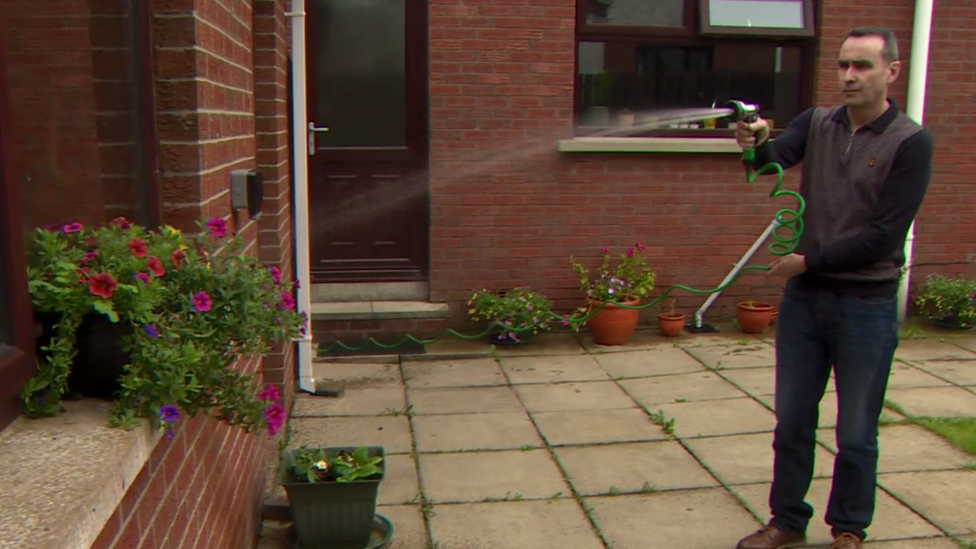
788,220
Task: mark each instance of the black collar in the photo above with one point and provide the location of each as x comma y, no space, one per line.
877,125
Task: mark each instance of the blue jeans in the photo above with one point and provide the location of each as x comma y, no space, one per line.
857,336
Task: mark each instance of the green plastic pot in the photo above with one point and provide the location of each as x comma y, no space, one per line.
334,515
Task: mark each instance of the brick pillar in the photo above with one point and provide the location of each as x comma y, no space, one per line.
276,236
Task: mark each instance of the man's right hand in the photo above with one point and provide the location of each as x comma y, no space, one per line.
751,135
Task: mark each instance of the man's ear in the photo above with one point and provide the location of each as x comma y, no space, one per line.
894,69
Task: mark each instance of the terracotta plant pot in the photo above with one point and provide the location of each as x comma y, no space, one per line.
671,324
613,325
754,316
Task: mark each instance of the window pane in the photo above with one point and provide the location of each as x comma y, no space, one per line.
688,77
641,13
776,14
360,77
73,75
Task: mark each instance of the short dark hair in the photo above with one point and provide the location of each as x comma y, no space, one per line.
890,50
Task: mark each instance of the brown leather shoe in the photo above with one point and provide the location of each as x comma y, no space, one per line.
771,537
846,540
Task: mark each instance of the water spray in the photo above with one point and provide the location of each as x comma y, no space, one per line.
791,220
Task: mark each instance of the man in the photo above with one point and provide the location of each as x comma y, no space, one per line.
866,168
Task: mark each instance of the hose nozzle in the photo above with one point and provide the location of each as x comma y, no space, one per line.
743,111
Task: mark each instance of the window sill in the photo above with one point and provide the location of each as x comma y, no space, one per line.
64,476
649,145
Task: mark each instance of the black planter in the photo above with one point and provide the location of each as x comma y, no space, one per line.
98,366
333,515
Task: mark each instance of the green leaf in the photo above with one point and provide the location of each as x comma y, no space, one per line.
106,308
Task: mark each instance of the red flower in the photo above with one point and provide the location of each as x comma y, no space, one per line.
139,248
73,228
202,302
103,285
156,266
178,258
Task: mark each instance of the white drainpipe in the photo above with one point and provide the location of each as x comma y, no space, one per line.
915,107
300,160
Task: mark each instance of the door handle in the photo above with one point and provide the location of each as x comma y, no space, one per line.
312,130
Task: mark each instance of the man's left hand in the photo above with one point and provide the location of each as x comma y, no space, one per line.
788,266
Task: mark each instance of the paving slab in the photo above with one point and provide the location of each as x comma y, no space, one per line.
551,344
553,369
688,519
892,520
903,448
643,338
463,400
905,376
408,523
357,375
400,483
960,372
914,350
483,431
656,360
724,353
719,417
924,543
555,524
364,401
935,401
597,426
747,459
946,498
393,433
583,395
632,467
453,373
480,476
653,392
966,342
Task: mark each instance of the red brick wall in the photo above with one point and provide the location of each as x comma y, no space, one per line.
945,241
502,76
74,112
222,106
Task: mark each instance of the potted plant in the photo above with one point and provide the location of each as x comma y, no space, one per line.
754,316
516,315
332,493
156,321
949,302
671,323
627,284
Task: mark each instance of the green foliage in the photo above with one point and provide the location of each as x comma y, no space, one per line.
197,305
631,279
949,300
315,465
516,312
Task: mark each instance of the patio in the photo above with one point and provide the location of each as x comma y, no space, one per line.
562,443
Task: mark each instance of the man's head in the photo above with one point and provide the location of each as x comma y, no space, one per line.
868,63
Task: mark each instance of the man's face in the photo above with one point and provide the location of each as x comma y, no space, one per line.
863,71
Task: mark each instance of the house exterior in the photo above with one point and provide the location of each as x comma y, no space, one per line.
444,146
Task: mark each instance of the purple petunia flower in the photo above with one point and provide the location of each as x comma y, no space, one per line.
151,331
217,226
169,413
276,275
269,393
275,415
143,277
73,228
202,302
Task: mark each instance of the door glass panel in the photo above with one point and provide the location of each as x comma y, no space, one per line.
360,73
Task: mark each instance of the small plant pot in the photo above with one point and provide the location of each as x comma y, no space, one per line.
754,316
671,324
333,514
613,325
773,316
